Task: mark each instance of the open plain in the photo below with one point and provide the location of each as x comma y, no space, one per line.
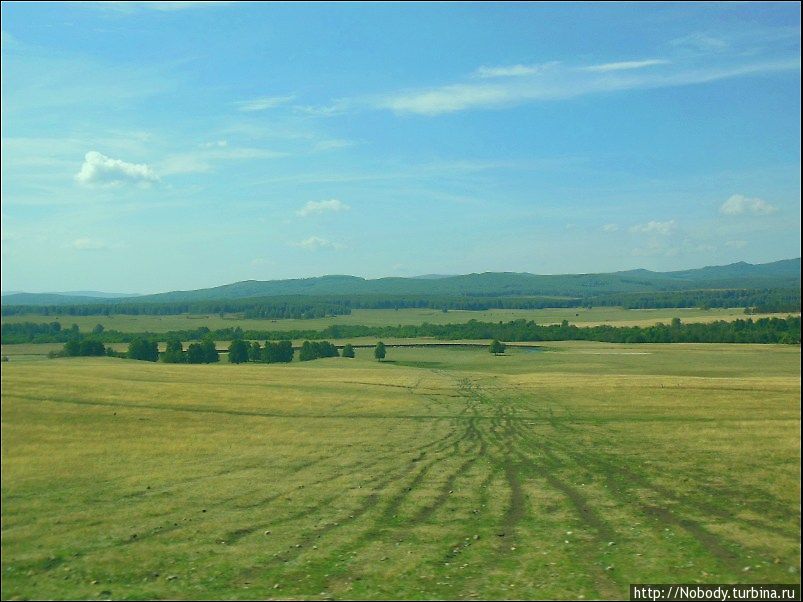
566,472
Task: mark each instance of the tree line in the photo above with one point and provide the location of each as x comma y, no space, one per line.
762,330
205,352
755,300
272,353
320,306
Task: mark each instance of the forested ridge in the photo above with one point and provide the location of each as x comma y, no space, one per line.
308,307
287,296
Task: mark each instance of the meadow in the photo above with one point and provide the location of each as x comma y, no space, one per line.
564,473
382,317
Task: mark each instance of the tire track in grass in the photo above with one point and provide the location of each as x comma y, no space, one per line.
518,444
620,476
367,504
438,444
359,465
384,521
621,484
619,479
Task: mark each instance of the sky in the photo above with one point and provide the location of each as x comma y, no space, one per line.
159,146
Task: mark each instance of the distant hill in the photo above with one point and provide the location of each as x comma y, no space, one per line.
62,298
778,274
98,294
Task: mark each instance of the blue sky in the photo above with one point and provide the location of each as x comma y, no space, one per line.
162,146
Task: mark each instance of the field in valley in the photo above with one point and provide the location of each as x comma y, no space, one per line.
388,317
569,472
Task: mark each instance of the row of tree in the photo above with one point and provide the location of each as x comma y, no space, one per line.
757,300
319,306
273,352
762,330
84,347
313,350
204,352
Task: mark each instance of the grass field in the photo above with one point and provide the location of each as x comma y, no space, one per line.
566,473
384,317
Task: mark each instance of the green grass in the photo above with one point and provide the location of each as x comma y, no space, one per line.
384,317
437,474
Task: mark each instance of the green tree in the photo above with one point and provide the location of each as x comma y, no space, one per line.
255,352
279,352
143,349
98,329
270,353
195,354
348,350
210,351
72,348
307,352
497,347
174,352
238,351
286,351
379,351
91,347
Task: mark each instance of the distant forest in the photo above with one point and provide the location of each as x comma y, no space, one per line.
320,306
763,330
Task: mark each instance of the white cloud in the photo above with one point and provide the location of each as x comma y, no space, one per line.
203,161
338,107
512,70
449,99
98,169
736,244
654,227
333,144
564,83
738,204
317,207
701,42
610,228
88,244
261,104
624,65
314,243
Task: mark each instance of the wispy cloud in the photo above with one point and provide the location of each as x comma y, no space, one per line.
610,228
565,82
204,160
262,104
315,243
333,144
701,42
513,70
337,107
738,204
98,169
318,207
88,244
654,227
624,65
